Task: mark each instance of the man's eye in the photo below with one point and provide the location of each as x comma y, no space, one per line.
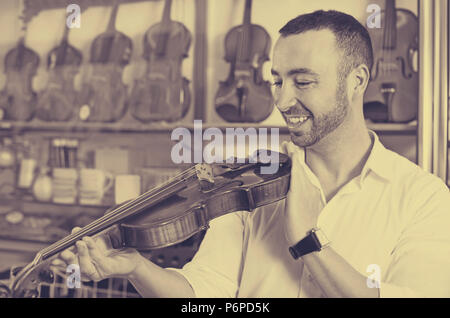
277,83
302,84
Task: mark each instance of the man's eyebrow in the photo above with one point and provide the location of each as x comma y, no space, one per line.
302,71
297,71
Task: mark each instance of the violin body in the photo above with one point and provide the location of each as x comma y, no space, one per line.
173,211
164,225
18,100
163,93
103,93
391,95
245,96
56,102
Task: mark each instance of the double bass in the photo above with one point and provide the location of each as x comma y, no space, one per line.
57,102
18,100
391,95
163,93
245,96
173,211
103,96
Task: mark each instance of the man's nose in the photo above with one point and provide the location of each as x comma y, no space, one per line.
284,105
285,99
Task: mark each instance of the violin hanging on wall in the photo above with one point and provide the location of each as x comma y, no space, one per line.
163,93
57,101
392,93
18,100
103,97
245,96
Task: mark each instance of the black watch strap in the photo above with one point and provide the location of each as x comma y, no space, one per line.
305,246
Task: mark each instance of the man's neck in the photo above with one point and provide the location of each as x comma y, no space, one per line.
339,157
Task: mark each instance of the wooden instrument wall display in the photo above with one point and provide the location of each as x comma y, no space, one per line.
103,96
57,102
245,96
172,212
18,100
392,93
163,93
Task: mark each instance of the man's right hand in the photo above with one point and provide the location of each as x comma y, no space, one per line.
97,260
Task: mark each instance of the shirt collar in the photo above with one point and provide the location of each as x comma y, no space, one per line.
379,160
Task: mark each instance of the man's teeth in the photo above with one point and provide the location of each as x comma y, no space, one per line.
296,120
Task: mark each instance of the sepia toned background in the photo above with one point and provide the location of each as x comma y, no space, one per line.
132,147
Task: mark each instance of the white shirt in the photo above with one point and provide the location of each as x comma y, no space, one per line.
394,217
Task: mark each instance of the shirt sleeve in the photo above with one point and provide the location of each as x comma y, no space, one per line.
420,262
215,269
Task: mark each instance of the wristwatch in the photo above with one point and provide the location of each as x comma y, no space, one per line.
313,242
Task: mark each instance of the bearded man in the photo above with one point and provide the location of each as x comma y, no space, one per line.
359,220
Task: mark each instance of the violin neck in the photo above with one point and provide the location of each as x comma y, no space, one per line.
163,38
390,29
243,54
24,22
112,18
23,31
122,212
247,13
65,37
166,12
62,50
20,54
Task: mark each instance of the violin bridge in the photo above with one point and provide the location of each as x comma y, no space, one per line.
205,175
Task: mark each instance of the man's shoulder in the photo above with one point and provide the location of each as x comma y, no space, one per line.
412,178
416,195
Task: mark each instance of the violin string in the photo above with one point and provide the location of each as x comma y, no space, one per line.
247,30
92,226
243,39
118,212
140,198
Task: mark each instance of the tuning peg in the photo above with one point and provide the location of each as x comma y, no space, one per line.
46,276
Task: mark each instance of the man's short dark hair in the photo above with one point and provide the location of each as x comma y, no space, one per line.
351,36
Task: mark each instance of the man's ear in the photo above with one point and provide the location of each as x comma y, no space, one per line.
359,79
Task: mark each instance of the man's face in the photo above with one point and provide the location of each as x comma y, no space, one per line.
306,90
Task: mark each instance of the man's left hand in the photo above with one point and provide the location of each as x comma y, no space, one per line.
303,203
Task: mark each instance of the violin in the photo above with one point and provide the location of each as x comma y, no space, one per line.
56,102
245,96
163,93
171,212
18,100
391,95
103,95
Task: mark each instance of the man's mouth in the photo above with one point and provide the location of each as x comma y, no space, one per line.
296,121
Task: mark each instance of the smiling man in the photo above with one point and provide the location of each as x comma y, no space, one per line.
353,207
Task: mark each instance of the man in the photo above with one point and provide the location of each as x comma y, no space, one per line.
354,209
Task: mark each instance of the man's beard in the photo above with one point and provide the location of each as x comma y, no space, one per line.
324,124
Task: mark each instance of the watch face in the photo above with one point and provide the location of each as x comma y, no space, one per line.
323,240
